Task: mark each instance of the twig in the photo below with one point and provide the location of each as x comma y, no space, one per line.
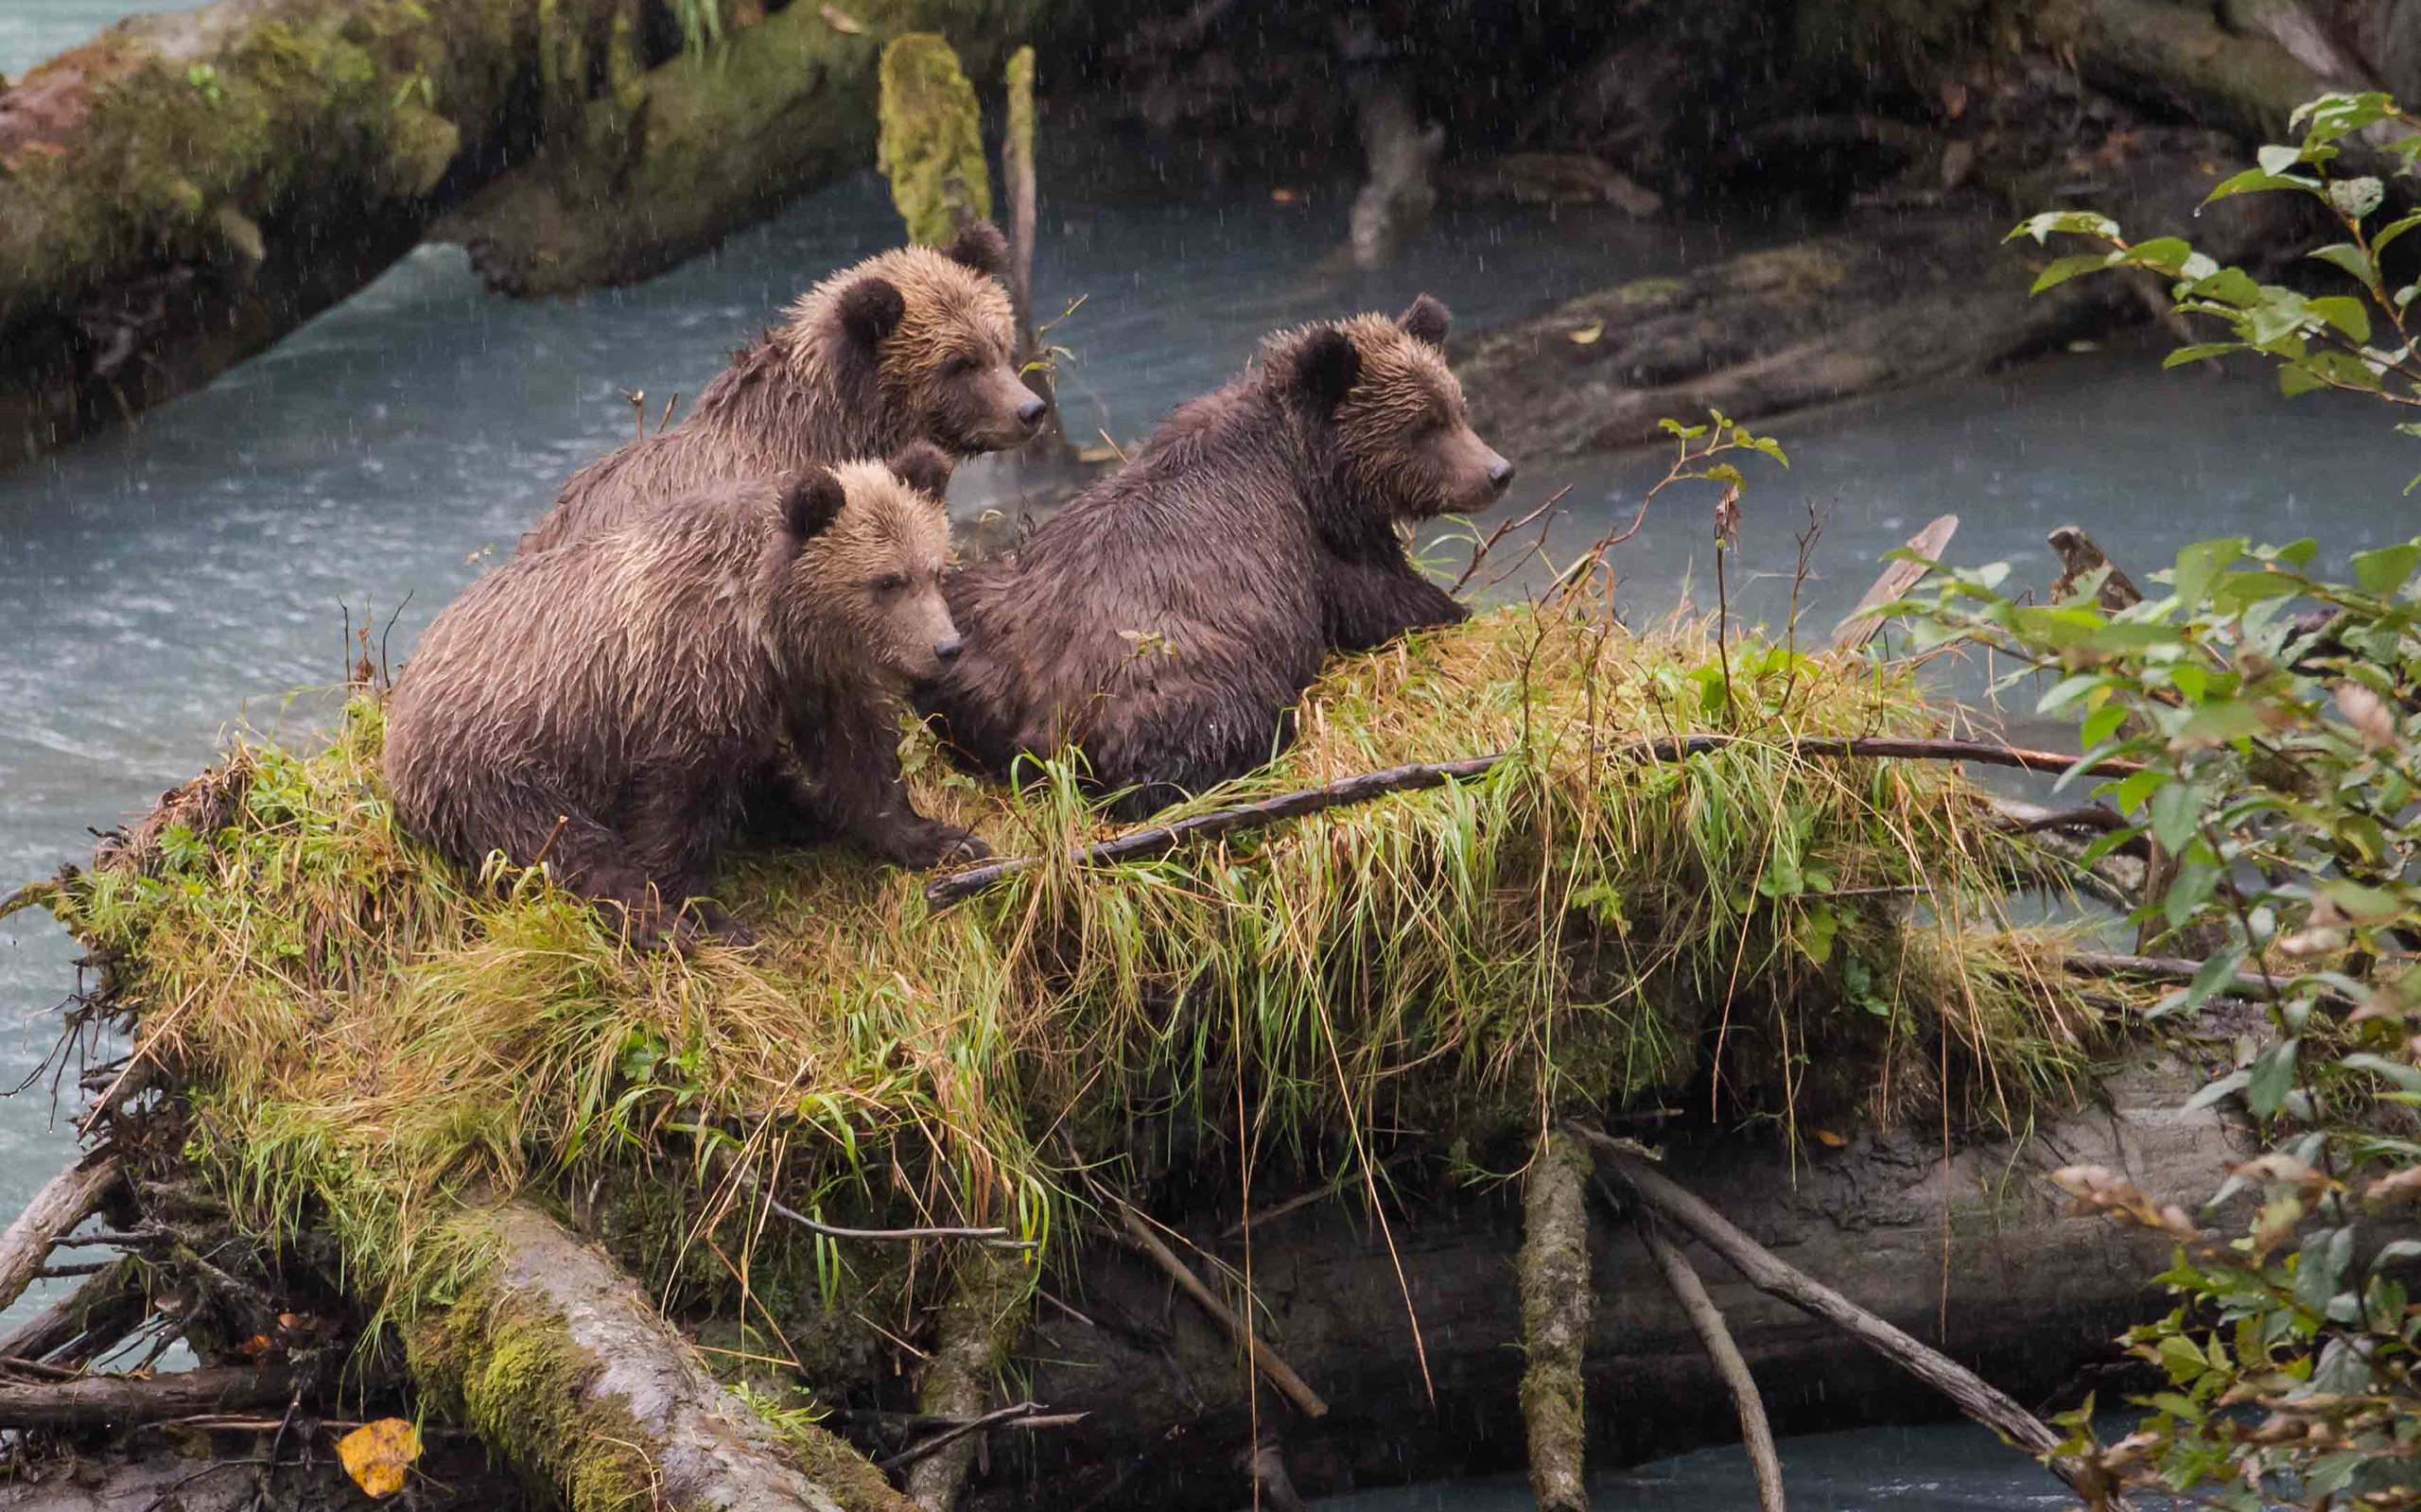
1479,554
998,1238
1973,1396
1026,1411
1756,1435
639,412
667,418
62,1273
1303,1199
1280,1375
2169,968
39,1368
1157,838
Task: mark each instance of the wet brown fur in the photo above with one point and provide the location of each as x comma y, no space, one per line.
912,344
603,706
1169,619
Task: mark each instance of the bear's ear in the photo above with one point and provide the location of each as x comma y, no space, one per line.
979,245
811,502
923,467
869,310
1425,319
1325,367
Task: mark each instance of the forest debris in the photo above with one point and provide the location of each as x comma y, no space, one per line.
123,1401
376,1455
1973,1395
1862,624
1756,1435
1556,1301
61,1204
2080,558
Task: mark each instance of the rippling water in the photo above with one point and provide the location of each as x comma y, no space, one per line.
160,585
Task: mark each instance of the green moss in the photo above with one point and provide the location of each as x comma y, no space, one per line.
932,140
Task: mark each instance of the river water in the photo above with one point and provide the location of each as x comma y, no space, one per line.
162,586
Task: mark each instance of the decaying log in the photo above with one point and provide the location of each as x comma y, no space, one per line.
1974,1397
1862,624
1756,1435
1154,840
1555,1298
981,1324
122,1401
2080,558
553,1357
68,1198
725,139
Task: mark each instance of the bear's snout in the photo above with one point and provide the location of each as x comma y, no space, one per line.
1499,474
1030,412
948,650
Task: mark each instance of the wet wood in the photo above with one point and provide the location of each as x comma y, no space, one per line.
65,1200
1862,624
1555,1295
2080,558
1280,1375
1756,1435
123,1401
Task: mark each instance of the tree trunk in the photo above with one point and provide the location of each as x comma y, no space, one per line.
184,189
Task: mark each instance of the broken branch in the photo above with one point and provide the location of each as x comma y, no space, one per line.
1280,1375
58,1207
1756,1435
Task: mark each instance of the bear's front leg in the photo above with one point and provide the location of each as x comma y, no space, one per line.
851,755
1369,603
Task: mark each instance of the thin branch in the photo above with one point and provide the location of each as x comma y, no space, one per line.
1158,839
1281,1374
1024,1411
1479,554
1756,1435
997,1237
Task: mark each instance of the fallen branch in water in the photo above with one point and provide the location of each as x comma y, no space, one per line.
1023,1413
1756,1435
1973,1396
1159,838
63,1203
1280,1375
124,1402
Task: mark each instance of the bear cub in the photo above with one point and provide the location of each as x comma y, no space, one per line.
605,706
912,344
1167,620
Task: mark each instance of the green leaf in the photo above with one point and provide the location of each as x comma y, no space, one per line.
2082,222
2177,810
2130,791
2352,259
2217,724
2276,157
2064,269
2167,253
2387,570
2216,973
2252,179
2392,229
2272,1076
2192,887
2101,723
2198,352
2296,380
2197,565
2232,1082
2343,312
2405,1077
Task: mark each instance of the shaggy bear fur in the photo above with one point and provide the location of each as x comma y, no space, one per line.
605,706
1169,619
911,346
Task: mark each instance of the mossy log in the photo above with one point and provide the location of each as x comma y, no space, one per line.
726,138
980,1328
184,189
553,1355
1555,1302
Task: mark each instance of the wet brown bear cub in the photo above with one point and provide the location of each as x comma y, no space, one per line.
605,706
1169,619
910,345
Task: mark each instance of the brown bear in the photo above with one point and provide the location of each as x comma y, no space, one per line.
912,344
1167,620
605,707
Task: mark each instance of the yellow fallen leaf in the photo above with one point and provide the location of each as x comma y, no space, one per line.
1828,1137
1588,332
840,20
376,1454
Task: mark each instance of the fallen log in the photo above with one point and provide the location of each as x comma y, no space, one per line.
64,1202
123,1401
981,1324
106,1308
554,1357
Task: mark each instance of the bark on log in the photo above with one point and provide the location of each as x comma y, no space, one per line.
122,1401
725,139
982,1322
1555,1321
559,1362
1971,1253
58,1207
184,189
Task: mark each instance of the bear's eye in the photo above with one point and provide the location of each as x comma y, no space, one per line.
890,583
958,366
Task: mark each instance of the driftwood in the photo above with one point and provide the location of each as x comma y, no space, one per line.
123,1401
104,1310
2080,558
981,1325
1973,1396
1862,624
1756,1435
1155,839
1280,1375
553,1319
58,1207
1554,1277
